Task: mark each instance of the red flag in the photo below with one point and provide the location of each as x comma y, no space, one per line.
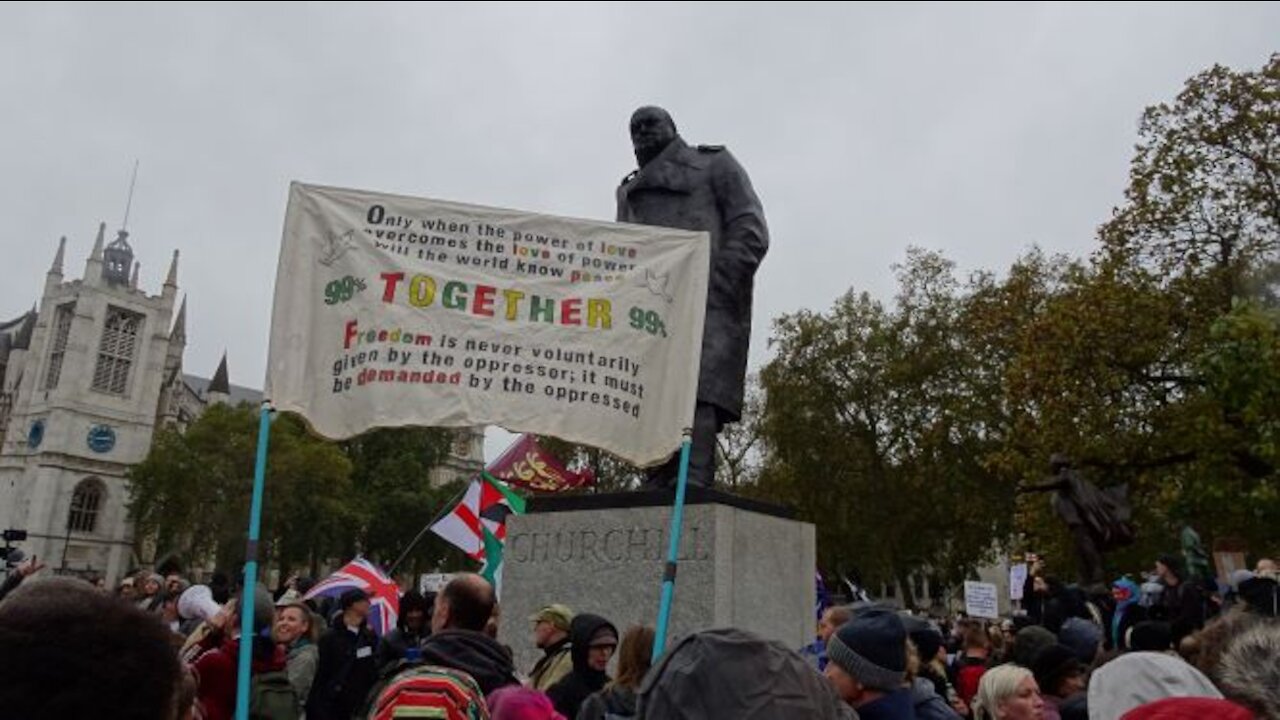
526,465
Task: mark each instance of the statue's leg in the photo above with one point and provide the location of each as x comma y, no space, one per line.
702,455
1090,560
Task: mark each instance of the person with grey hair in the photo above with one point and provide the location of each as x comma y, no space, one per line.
867,665
1249,671
1008,692
702,188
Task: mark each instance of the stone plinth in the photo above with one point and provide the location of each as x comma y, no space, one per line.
742,564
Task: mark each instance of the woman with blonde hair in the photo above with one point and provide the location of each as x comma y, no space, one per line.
1008,692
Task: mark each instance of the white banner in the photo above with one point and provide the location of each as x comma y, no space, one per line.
393,310
981,600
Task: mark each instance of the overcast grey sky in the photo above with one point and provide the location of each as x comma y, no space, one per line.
977,130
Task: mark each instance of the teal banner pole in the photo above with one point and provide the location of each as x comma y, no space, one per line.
673,552
251,566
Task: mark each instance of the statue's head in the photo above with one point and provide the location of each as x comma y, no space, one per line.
652,130
1058,461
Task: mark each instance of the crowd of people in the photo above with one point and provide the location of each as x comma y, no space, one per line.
158,647
1172,647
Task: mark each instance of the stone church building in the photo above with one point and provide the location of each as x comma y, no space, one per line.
86,376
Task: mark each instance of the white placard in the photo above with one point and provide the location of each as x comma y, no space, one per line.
981,600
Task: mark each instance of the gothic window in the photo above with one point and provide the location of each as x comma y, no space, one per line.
61,329
85,503
116,351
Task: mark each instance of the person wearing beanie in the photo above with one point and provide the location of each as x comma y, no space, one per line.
1083,637
1138,678
216,671
867,666
927,638
1060,675
551,635
594,641
347,668
1028,642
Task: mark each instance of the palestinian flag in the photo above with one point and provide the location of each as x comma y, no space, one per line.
483,511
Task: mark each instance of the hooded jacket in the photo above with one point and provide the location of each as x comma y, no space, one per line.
569,694
216,676
474,653
1127,613
1141,677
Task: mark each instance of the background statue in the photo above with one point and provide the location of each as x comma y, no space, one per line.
702,188
1098,519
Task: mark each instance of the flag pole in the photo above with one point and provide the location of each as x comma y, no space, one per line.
673,550
251,565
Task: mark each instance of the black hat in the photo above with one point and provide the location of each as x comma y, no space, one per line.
351,597
1052,665
925,635
872,647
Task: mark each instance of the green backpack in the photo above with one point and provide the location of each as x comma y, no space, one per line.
271,697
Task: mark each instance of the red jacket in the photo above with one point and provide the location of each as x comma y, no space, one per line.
216,677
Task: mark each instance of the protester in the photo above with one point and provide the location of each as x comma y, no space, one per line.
1138,678
23,570
867,665
551,636
216,669
298,632
411,629
68,651
457,639
1181,602
729,673
1028,642
971,663
1127,613
1060,675
1249,670
152,596
346,668
594,641
1008,692
517,703
925,700
618,699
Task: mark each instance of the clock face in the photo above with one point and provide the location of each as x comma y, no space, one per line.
101,438
35,435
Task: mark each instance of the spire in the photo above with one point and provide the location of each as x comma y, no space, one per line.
133,281
96,255
56,268
93,266
219,383
172,279
179,332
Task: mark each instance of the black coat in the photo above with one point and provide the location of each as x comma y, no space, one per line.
346,671
705,188
474,653
568,695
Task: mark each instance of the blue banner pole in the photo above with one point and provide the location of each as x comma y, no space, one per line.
673,552
251,566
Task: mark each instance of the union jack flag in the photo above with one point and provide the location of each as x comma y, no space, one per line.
360,574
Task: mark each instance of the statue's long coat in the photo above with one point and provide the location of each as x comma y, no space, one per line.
705,188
